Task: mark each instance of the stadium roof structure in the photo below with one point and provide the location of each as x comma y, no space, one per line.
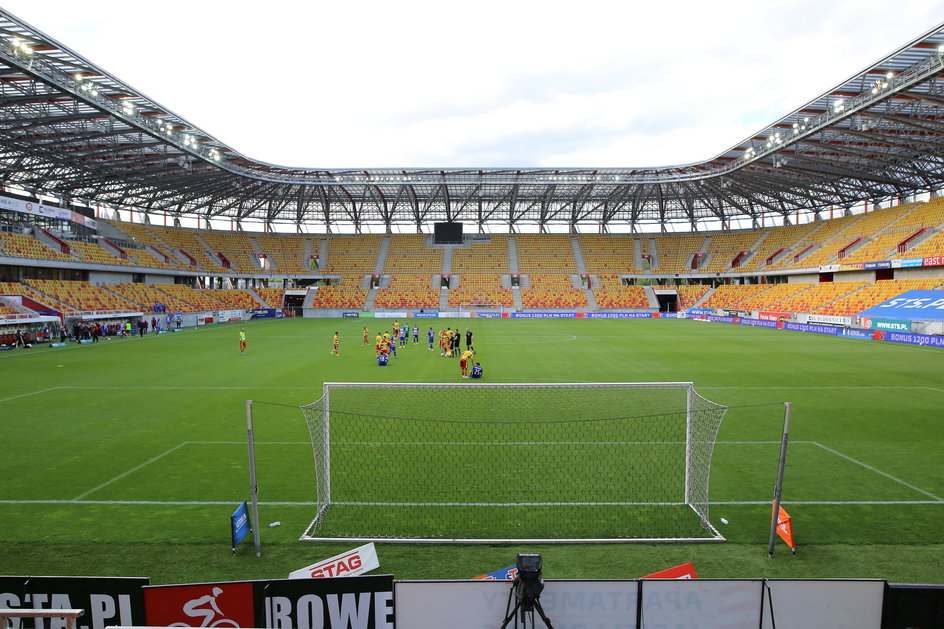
71,130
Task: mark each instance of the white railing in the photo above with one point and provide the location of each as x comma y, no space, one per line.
70,615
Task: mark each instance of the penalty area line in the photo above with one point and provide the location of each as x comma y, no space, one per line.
131,471
879,472
16,397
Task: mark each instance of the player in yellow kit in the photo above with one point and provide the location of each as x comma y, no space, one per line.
464,361
378,341
335,352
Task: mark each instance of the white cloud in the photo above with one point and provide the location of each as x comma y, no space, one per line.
372,84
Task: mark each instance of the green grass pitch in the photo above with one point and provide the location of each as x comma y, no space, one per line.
127,457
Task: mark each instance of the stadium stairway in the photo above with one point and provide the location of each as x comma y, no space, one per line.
651,296
516,297
309,301
256,249
578,255
637,253
653,254
372,294
512,256
262,302
381,261
444,298
447,261
703,299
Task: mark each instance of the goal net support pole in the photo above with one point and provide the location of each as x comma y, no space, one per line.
493,462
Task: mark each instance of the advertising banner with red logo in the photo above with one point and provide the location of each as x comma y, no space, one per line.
684,571
202,605
773,316
363,602
352,563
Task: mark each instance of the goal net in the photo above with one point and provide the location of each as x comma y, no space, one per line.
512,462
481,306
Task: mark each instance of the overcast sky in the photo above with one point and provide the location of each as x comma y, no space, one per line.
488,84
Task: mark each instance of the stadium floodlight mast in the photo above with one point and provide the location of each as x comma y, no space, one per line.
507,462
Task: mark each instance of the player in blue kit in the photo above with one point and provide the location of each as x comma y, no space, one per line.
430,335
416,335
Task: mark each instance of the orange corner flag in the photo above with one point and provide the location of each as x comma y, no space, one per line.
785,529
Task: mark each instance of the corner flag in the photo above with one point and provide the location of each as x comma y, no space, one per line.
785,529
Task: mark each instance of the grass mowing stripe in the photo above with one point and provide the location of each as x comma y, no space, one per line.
880,472
309,504
131,471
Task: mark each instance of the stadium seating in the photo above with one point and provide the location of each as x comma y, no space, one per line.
408,290
407,253
188,241
274,297
608,254
689,294
236,248
23,246
551,290
352,255
777,241
724,248
236,298
144,296
287,252
612,293
200,300
771,298
94,254
544,253
730,295
80,296
476,289
347,294
818,295
482,257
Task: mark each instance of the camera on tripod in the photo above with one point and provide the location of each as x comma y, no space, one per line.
526,590
528,584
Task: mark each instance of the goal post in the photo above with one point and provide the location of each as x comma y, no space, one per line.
500,462
482,307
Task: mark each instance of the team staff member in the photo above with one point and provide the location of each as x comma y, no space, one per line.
464,362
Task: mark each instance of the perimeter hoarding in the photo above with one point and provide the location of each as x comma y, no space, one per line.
364,602
107,601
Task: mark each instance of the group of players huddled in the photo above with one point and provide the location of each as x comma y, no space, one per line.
386,343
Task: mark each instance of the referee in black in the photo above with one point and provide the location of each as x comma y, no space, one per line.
468,339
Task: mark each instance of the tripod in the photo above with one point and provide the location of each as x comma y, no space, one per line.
526,602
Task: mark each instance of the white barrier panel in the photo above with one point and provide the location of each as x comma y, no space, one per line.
478,604
798,604
702,604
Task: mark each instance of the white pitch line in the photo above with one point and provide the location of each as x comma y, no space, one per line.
131,471
7,399
146,502
880,472
832,502
305,504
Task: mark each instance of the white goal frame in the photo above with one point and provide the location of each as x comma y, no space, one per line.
697,503
485,307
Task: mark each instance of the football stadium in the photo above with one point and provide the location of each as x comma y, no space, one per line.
218,371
